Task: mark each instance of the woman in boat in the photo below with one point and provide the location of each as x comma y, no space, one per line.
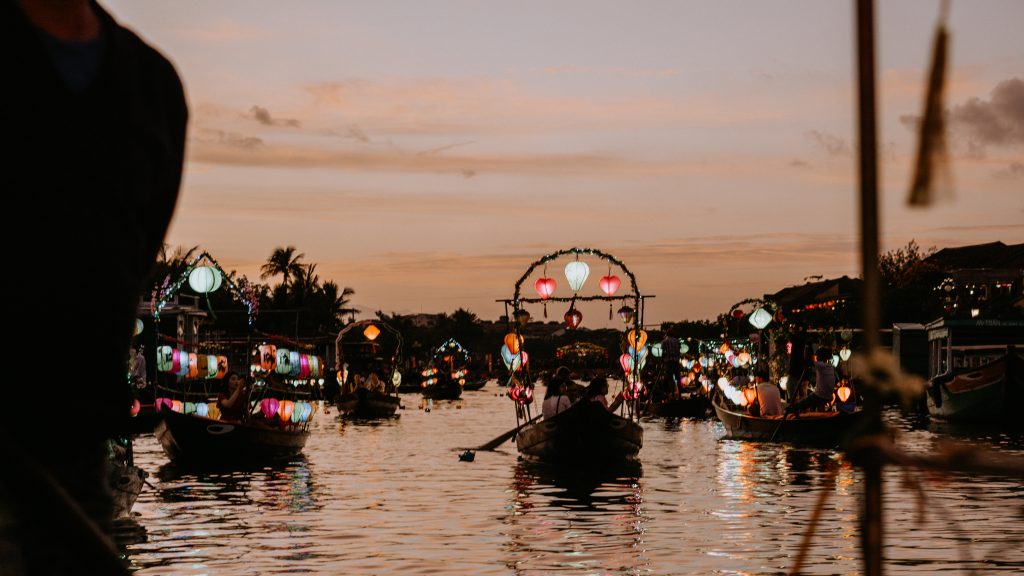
232,399
597,391
824,383
555,400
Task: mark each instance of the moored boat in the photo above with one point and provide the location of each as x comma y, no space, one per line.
813,428
976,371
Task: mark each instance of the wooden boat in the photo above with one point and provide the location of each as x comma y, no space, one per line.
365,403
475,384
813,428
990,393
196,439
366,353
447,373
585,434
687,405
976,371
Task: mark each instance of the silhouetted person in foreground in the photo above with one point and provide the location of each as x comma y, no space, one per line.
96,120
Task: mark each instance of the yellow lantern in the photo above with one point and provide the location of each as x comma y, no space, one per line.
371,332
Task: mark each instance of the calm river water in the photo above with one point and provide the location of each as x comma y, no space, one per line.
392,497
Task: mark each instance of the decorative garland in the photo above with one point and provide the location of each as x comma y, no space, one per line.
242,290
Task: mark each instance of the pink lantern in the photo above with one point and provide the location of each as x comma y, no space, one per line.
269,407
163,404
134,411
304,366
177,406
545,287
626,361
176,361
609,284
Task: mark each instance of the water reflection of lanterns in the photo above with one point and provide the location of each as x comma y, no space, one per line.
371,332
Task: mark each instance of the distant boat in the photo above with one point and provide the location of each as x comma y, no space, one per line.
475,384
197,439
976,371
585,434
686,405
370,378
812,428
365,403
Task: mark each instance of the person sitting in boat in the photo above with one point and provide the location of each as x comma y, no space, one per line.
374,383
555,400
670,352
769,397
568,386
824,383
232,398
597,391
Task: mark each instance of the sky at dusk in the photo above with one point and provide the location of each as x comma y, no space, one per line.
425,153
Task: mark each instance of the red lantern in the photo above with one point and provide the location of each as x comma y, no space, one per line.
573,318
609,284
737,313
545,287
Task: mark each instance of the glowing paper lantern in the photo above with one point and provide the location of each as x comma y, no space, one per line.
295,357
743,358
203,410
213,411
844,393
724,347
189,408
162,404
182,363
165,358
211,366
545,287
835,360
204,279
626,314
573,318
177,406
138,326
506,356
750,395
783,382
760,318
193,365
737,313
269,407
626,361
314,366
844,355
637,339
684,347
576,273
268,357
513,342
609,284
283,362
371,332
134,410
656,350
222,366
303,366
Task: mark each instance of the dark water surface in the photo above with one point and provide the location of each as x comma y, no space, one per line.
392,497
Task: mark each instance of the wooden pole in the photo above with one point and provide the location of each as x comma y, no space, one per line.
871,516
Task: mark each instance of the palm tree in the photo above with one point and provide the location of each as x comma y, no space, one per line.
283,261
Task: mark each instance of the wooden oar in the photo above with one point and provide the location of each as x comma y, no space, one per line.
506,436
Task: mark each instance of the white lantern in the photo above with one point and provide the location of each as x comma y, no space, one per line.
576,273
138,326
844,354
760,318
783,382
683,348
204,279
656,350
835,360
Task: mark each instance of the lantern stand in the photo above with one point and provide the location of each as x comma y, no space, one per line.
517,302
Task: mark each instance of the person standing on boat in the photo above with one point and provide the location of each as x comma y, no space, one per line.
824,383
97,119
555,400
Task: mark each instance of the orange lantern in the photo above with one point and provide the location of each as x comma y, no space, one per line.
637,339
724,347
285,410
193,365
371,332
750,395
844,392
743,358
513,341
222,366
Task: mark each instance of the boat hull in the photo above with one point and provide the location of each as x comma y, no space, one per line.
475,384
987,394
446,389
811,428
194,439
584,434
368,404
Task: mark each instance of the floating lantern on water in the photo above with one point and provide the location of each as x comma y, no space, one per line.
204,279
371,332
760,318
576,273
